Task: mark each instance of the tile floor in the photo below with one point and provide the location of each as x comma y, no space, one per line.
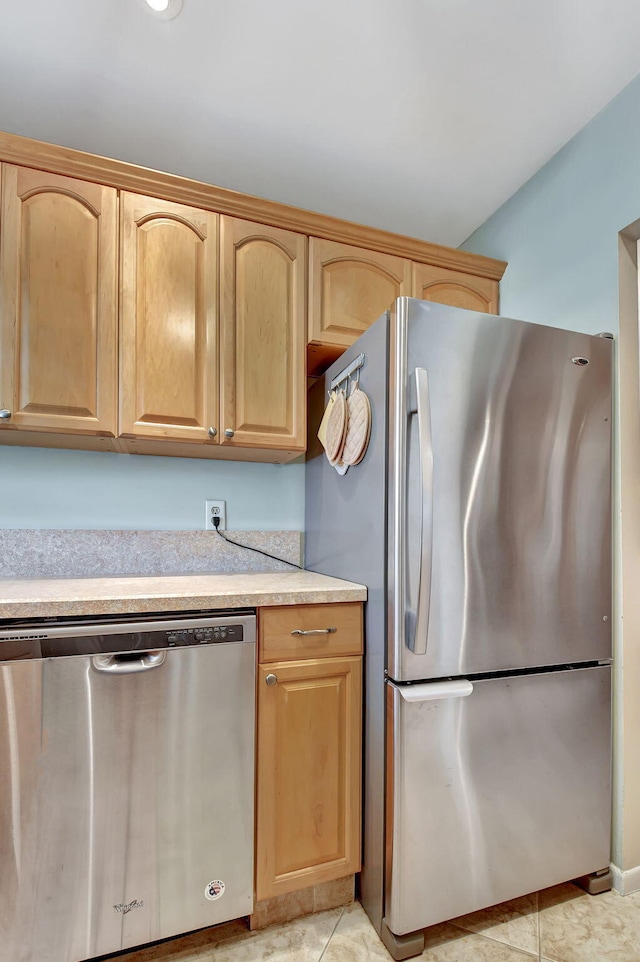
561,924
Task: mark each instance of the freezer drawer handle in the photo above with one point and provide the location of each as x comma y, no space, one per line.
436,689
126,664
314,631
417,621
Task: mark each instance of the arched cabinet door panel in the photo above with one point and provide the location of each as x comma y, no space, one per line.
262,336
168,332
58,303
349,288
455,288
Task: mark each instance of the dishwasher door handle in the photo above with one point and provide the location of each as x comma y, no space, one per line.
126,664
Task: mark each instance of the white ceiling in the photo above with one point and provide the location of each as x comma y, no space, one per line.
419,116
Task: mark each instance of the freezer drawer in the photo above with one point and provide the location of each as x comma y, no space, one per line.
495,789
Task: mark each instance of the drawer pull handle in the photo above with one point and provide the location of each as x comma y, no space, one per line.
314,631
271,680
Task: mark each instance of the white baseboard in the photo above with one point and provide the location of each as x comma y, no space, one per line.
626,882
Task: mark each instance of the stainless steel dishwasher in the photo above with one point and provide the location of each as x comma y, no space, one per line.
126,780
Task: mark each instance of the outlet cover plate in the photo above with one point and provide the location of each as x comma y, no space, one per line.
215,509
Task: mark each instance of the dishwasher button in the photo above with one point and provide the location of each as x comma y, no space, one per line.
172,639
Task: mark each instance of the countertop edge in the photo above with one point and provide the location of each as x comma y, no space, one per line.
130,596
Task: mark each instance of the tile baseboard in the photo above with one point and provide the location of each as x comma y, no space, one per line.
626,882
316,898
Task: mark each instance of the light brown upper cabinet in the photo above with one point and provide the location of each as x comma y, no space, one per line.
455,288
58,301
201,350
349,288
168,327
262,336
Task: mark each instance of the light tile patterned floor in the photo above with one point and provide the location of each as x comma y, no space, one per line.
562,924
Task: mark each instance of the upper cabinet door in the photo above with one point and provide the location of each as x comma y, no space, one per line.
262,349
58,323
455,288
168,333
349,288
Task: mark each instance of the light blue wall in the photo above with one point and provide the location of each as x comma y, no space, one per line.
46,488
559,231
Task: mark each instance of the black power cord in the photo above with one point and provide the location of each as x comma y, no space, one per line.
216,527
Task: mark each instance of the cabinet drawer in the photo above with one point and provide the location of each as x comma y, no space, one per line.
276,627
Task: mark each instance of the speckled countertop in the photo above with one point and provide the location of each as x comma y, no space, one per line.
48,597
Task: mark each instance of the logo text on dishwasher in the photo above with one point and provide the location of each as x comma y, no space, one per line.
124,908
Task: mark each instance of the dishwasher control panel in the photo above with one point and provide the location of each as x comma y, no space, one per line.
55,639
205,636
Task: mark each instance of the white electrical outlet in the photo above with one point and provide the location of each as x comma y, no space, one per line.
215,509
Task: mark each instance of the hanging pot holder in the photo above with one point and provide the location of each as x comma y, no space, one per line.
358,427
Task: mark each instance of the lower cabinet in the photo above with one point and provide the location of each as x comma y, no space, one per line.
309,772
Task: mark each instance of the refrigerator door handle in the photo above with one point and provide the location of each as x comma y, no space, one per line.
417,626
435,690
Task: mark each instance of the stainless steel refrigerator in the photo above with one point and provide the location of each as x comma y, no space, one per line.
480,520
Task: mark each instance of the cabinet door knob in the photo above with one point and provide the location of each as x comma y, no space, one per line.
229,433
5,415
314,631
212,432
271,680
